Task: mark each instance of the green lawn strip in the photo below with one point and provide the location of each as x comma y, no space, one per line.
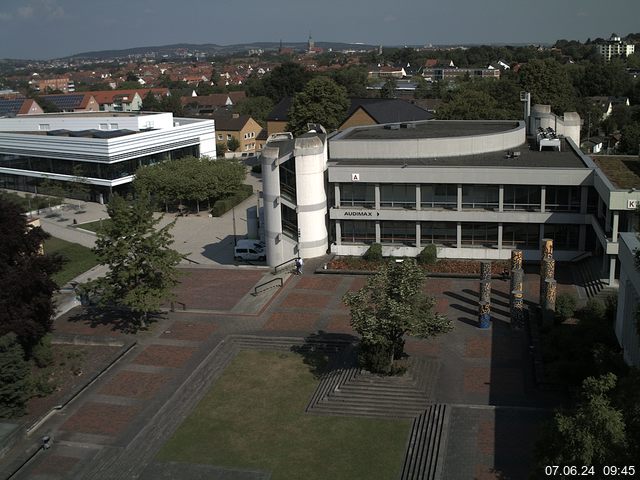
253,418
94,226
79,259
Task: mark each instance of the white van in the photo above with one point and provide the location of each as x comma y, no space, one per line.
249,250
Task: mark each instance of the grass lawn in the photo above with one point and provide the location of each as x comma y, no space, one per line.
94,226
79,259
254,418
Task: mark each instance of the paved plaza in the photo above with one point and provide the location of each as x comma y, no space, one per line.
116,427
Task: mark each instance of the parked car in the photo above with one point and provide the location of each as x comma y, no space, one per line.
249,250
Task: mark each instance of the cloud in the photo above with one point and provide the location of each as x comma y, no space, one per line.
582,14
47,9
390,19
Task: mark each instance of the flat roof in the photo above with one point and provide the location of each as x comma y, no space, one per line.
429,129
529,157
622,170
87,114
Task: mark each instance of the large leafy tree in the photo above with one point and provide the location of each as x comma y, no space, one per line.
283,81
390,306
142,266
26,287
322,101
353,78
549,84
257,108
592,434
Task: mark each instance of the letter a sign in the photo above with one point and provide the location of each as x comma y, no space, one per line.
355,177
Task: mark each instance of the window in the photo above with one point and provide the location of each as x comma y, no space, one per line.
521,235
357,195
398,195
398,232
219,136
439,233
113,126
355,231
480,196
44,127
522,197
480,234
228,137
439,196
565,237
289,222
103,126
562,199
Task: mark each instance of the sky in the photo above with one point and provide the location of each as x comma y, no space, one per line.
43,29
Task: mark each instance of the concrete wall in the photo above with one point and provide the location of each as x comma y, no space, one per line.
628,299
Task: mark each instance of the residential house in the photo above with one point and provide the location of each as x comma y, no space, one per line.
615,47
63,84
384,71
73,102
125,100
241,127
13,107
208,104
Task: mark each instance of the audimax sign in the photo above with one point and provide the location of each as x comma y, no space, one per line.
360,213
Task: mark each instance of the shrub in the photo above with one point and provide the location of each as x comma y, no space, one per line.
593,311
376,357
428,255
374,253
566,306
41,386
257,168
42,354
226,204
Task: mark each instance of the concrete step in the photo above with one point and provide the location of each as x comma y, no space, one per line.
366,410
425,445
374,392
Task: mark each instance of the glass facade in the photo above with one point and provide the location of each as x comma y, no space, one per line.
565,237
484,197
288,180
440,233
398,195
398,232
522,197
439,196
562,199
480,234
104,171
358,232
357,195
521,235
289,222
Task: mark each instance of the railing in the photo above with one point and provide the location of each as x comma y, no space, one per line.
189,260
277,267
255,290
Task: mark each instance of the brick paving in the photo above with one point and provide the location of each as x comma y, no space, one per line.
189,331
478,368
165,356
54,465
101,419
134,384
292,321
215,289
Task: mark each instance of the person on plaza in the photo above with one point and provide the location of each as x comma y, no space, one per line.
299,265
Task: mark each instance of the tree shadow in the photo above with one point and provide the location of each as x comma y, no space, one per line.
116,319
324,352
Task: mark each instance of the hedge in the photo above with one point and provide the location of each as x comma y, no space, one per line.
224,205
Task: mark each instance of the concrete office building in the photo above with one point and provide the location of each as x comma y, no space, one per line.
476,189
105,148
628,300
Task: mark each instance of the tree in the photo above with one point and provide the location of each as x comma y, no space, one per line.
173,104
233,144
548,83
630,141
150,103
14,377
141,265
468,104
388,90
284,81
257,108
26,287
322,101
391,305
353,78
592,434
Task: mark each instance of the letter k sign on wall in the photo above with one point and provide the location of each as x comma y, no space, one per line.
355,177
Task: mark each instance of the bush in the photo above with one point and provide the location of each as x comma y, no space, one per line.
257,168
374,254
593,311
376,357
226,204
428,255
41,386
566,306
42,354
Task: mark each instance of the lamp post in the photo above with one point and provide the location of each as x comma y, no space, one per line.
233,214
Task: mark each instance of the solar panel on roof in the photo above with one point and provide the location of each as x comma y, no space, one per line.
65,102
10,107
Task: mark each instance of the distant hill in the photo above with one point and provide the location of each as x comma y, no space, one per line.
213,49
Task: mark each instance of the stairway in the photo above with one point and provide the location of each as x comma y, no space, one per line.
588,276
426,444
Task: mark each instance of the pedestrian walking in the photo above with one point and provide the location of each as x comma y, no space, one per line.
299,265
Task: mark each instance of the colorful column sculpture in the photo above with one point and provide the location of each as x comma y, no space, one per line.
549,302
485,291
484,315
517,309
485,270
516,259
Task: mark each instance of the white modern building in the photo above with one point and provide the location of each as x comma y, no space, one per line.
105,148
476,189
615,47
626,328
